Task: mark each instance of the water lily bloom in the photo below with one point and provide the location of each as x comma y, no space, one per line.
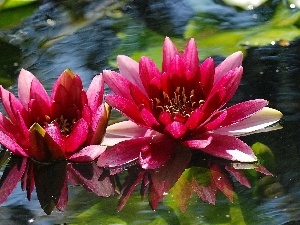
181,105
41,131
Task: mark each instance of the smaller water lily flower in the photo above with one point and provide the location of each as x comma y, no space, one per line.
44,134
181,105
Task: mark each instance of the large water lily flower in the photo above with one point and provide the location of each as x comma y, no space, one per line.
181,105
41,131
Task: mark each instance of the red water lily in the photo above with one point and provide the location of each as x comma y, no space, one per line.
181,105
44,130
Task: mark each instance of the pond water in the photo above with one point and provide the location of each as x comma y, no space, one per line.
87,35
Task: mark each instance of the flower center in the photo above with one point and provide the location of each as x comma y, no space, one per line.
180,104
65,125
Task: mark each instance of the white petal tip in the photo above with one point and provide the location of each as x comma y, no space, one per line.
240,156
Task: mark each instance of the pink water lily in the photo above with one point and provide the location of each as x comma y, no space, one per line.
66,126
183,104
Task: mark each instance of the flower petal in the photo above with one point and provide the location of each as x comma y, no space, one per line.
231,62
157,152
229,148
77,137
169,52
176,129
130,70
24,85
12,145
148,72
87,175
256,123
88,153
118,84
95,92
164,178
123,153
241,111
190,57
126,107
12,174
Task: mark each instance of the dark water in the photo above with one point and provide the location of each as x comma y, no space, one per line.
85,36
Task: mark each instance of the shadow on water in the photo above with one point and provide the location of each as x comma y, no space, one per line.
58,36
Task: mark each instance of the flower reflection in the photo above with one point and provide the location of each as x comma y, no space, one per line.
181,107
47,135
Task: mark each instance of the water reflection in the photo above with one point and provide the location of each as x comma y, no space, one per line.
271,72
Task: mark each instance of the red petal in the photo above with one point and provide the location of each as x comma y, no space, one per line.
12,145
230,148
123,153
221,181
77,137
202,142
176,129
169,52
148,71
24,86
11,176
95,93
157,152
190,57
241,111
223,91
231,62
240,177
88,153
126,107
118,84
163,179
207,69
87,175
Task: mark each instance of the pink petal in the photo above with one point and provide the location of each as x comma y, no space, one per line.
88,153
148,71
176,129
240,177
12,105
206,193
164,178
223,90
221,181
95,92
43,147
63,198
229,148
99,123
77,137
130,70
126,129
122,131
126,107
12,174
157,152
123,153
241,111
202,142
149,119
190,57
231,62
255,123
24,86
118,84
169,52
12,145
87,175
207,69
